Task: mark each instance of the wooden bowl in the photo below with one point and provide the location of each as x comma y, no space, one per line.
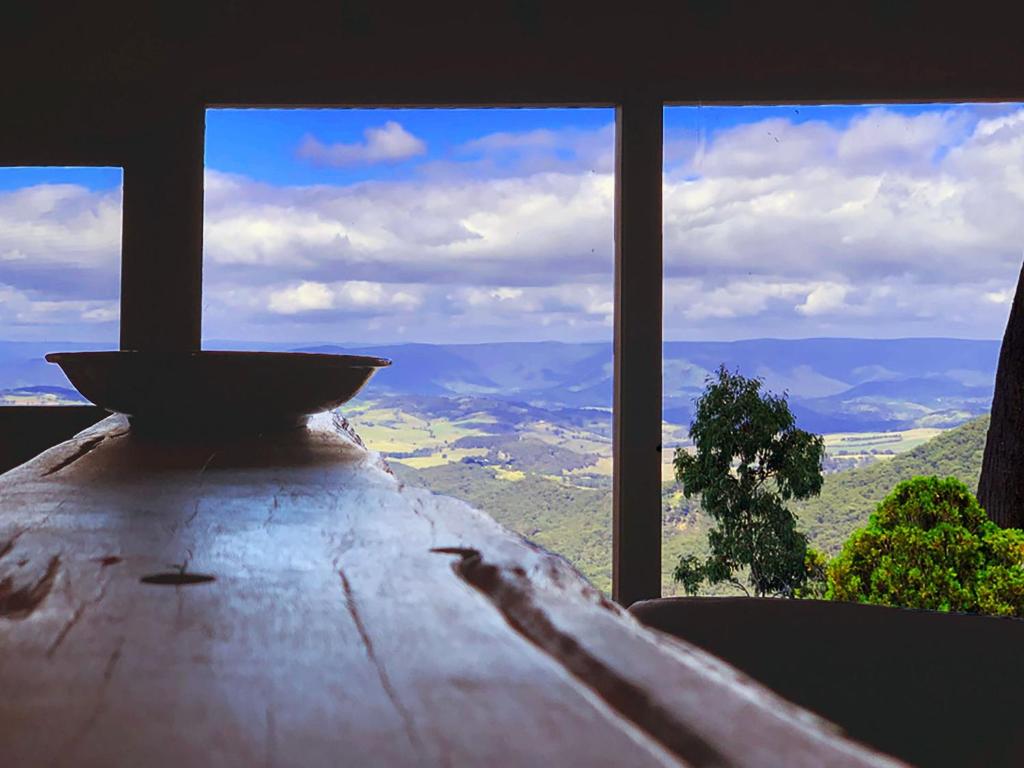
174,392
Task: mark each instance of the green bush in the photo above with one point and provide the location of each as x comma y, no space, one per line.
929,545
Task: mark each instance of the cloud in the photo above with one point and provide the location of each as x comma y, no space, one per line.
514,231
880,140
502,141
347,296
526,153
24,314
386,144
892,224
59,262
925,196
823,299
999,297
303,297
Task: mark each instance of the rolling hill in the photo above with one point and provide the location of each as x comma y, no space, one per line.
847,498
533,486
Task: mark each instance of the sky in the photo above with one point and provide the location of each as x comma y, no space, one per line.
379,226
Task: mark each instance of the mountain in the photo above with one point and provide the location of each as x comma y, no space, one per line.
847,385
848,498
22,363
835,385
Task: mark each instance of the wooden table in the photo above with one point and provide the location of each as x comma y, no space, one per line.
285,601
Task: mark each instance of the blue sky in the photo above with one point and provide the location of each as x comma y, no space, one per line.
262,144
93,178
496,224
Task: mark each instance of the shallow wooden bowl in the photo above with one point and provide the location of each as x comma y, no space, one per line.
184,392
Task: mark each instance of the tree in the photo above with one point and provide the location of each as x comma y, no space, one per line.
1001,487
750,461
930,545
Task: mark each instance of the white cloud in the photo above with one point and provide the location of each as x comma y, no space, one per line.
387,143
694,300
507,140
525,153
999,297
519,231
59,262
303,297
346,296
888,196
25,311
823,299
61,224
881,140
893,225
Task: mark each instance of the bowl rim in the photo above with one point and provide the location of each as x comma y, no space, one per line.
333,360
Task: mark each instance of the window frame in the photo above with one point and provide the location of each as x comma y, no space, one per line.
161,154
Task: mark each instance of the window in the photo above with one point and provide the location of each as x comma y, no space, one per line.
862,259
473,247
60,250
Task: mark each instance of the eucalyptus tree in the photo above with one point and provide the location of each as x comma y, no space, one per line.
750,461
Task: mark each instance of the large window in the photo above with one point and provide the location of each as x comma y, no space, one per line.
861,259
473,247
60,268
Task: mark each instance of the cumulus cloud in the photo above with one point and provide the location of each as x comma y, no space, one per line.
59,262
889,195
387,143
353,295
823,299
26,314
881,140
514,231
892,224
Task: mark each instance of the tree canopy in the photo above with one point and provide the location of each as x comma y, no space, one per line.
750,461
930,545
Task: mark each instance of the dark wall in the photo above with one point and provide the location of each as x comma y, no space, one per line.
935,689
110,63
27,431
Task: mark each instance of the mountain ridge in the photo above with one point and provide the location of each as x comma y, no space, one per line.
834,384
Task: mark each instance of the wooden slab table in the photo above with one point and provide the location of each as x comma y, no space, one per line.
284,601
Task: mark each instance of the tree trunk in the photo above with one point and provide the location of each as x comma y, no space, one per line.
1001,488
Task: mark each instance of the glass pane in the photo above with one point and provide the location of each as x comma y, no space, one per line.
60,275
861,259
472,247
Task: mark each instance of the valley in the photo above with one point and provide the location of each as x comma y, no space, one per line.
547,473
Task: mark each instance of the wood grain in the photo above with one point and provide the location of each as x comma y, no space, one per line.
285,601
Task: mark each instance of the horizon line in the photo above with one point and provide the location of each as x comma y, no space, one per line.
353,344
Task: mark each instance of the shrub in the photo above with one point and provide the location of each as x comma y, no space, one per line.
815,586
930,545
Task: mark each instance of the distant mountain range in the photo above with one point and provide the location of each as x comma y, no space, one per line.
834,384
